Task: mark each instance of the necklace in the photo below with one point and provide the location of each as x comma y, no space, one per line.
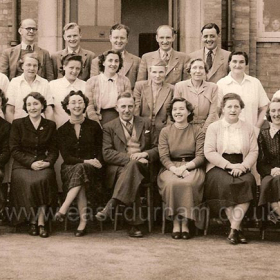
181,127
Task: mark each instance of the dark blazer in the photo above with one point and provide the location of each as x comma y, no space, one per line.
115,148
144,102
88,146
176,68
28,145
11,56
87,57
220,66
130,65
4,142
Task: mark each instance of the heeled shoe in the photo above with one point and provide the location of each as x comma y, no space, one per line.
80,233
105,213
186,235
59,217
241,238
233,236
33,230
43,232
176,235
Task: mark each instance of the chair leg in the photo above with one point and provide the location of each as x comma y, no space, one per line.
207,220
163,218
116,218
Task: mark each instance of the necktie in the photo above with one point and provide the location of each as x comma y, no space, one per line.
209,60
165,57
129,128
28,48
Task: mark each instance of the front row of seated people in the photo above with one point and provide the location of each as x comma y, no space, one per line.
128,148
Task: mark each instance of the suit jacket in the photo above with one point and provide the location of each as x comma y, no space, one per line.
176,68
11,56
213,146
130,65
220,66
87,56
114,145
4,142
28,145
144,102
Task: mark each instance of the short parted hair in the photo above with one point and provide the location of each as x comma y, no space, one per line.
188,104
33,55
239,53
65,60
4,100
231,96
71,25
193,61
103,57
38,96
120,26
166,26
65,102
210,26
125,94
274,100
159,63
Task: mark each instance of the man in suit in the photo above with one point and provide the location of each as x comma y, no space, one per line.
119,34
9,61
215,57
128,147
72,37
176,62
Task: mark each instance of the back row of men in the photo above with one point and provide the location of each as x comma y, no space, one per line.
134,68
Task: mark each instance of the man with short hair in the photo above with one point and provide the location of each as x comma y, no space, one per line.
119,34
176,62
9,61
215,57
72,37
128,147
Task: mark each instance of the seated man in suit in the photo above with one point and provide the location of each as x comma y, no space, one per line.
119,38
176,62
153,97
9,61
72,37
128,147
215,57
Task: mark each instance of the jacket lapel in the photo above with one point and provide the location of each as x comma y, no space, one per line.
148,95
218,61
38,50
15,56
139,124
161,97
83,53
173,61
119,131
128,61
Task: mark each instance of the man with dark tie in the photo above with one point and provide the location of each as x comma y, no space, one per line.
119,34
176,62
9,61
72,37
215,57
128,147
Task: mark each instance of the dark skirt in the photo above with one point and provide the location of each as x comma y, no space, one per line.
270,189
31,189
223,190
108,115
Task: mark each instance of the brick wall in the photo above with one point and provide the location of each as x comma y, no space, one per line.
5,24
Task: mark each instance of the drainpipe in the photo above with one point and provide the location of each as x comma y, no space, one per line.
229,25
14,41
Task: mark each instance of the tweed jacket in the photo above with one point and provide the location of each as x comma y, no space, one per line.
11,56
144,102
94,95
176,68
114,146
130,65
220,66
213,146
4,142
87,57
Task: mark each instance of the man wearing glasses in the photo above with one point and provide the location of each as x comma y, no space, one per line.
10,57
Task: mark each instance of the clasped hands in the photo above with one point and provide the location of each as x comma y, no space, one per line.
94,162
180,172
275,171
39,165
142,157
237,169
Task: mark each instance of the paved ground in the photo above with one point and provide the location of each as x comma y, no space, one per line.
113,255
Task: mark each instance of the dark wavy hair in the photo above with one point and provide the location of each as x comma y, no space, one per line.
193,61
65,102
274,100
103,57
231,96
67,58
119,26
188,105
38,96
239,53
210,26
4,100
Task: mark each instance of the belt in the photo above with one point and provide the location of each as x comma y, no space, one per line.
183,159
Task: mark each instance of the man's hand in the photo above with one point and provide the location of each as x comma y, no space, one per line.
94,162
39,165
138,156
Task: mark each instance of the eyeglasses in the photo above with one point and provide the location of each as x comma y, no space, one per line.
29,29
79,103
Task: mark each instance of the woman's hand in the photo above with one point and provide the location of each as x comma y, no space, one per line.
275,171
39,165
178,171
94,162
236,172
138,156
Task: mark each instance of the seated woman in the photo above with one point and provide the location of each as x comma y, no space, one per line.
72,65
34,149
181,179
231,150
104,89
80,144
203,95
268,164
21,86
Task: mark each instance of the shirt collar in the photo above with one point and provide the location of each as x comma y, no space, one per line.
67,83
71,51
213,51
229,79
273,130
225,124
124,122
163,52
37,78
24,46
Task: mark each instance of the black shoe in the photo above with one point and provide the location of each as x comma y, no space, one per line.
43,232
33,230
176,235
80,233
233,236
105,213
59,217
135,232
186,235
241,238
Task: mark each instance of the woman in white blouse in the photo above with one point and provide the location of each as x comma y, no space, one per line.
231,150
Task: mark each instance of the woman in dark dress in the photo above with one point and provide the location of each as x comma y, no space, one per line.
34,149
231,150
268,164
80,144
